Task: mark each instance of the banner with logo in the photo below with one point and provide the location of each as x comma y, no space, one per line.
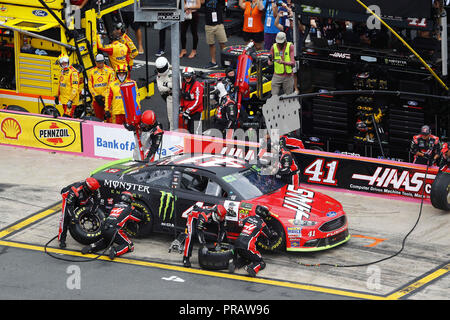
42,132
375,176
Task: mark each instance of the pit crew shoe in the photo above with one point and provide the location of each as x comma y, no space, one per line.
86,249
250,271
112,253
186,262
231,266
62,244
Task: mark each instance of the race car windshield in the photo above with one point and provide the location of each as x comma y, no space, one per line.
250,184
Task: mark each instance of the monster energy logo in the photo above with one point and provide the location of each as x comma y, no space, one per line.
166,205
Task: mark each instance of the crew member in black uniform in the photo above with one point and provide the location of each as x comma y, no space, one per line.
246,253
289,171
112,230
197,222
77,194
425,147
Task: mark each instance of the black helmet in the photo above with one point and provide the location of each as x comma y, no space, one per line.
262,211
282,142
127,197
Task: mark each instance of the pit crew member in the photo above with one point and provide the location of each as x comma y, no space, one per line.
164,83
425,147
112,229
68,86
246,253
117,51
151,136
191,101
289,171
99,80
126,40
197,221
74,195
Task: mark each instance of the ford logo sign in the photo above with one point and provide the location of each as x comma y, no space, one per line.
331,214
40,13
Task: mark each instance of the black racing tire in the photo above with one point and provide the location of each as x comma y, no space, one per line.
276,244
86,226
50,110
210,259
13,107
144,228
440,191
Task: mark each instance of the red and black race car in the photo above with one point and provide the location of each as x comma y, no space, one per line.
166,190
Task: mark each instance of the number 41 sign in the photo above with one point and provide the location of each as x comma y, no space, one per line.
323,172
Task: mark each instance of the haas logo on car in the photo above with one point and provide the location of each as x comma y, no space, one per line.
298,200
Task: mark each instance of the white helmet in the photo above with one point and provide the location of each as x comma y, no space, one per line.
162,65
188,72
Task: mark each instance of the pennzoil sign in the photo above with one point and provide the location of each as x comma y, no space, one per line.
54,133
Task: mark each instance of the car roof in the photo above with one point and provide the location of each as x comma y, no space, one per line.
216,164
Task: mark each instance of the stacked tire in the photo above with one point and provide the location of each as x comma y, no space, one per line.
440,191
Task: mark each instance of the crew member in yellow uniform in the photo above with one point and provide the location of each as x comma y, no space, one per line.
68,87
99,80
117,51
114,108
282,57
126,40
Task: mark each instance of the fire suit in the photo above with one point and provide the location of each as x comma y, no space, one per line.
164,83
114,107
74,196
117,51
445,156
68,90
245,244
425,150
288,171
112,230
132,50
197,222
191,105
99,81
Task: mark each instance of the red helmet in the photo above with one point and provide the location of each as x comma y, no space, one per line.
92,184
148,117
221,212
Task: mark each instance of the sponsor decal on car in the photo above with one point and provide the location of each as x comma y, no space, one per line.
298,200
114,184
166,206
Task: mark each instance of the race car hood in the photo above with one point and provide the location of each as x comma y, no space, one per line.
292,204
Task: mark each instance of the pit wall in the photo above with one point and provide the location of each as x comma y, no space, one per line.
377,177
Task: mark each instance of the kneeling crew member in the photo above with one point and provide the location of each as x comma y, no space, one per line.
73,196
112,230
245,245
197,222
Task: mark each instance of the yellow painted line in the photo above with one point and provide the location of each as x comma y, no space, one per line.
30,220
143,263
420,283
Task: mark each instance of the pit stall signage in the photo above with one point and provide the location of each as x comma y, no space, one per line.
27,130
375,176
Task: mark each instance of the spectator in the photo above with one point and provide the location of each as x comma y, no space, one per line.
270,30
282,57
191,20
214,28
253,29
128,18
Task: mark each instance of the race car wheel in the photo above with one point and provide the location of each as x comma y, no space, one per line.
50,110
440,191
276,244
144,228
86,226
211,259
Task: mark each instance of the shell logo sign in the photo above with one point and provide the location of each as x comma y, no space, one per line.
11,128
34,131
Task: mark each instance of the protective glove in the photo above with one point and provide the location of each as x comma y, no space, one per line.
107,115
273,235
69,104
186,115
129,127
100,100
56,100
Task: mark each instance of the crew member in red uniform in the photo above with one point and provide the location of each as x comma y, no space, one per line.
112,230
445,156
289,170
191,101
246,253
425,147
197,222
73,196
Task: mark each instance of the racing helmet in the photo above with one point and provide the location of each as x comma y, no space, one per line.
122,68
162,65
262,211
92,183
127,197
63,61
148,118
188,72
220,213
